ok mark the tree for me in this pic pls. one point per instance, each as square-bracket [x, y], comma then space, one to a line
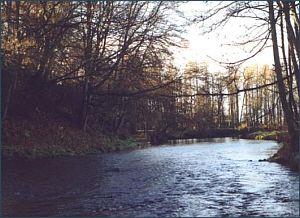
[108, 54]
[278, 69]
[266, 15]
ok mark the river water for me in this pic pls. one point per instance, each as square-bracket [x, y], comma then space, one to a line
[210, 178]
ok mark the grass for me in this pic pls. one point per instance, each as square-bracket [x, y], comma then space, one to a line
[66, 148]
[264, 135]
[30, 140]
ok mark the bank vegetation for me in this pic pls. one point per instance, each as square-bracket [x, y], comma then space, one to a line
[85, 77]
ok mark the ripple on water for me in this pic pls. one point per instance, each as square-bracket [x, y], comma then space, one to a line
[203, 179]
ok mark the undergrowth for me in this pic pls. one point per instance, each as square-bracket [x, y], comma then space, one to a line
[50, 138]
[264, 135]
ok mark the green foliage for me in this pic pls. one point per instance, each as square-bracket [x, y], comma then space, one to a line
[264, 135]
[129, 143]
[26, 133]
[76, 144]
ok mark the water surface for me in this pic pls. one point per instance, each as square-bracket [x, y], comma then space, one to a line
[216, 177]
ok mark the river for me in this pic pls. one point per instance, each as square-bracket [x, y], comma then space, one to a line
[210, 178]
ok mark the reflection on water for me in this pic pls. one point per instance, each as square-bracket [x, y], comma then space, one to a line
[215, 177]
[194, 141]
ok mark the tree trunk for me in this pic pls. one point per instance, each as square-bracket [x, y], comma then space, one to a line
[84, 107]
[237, 110]
[290, 31]
[287, 112]
[87, 58]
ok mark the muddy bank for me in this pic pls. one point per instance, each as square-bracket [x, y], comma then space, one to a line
[288, 154]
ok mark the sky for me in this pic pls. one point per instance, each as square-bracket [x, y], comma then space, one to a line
[201, 47]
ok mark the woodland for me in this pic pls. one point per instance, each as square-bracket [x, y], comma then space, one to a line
[80, 77]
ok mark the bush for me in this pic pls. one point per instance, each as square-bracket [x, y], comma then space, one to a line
[264, 135]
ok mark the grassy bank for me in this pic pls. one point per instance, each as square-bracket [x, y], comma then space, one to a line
[192, 133]
[38, 127]
[86, 144]
[266, 135]
[42, 135]
[47, 138]
[246, 133]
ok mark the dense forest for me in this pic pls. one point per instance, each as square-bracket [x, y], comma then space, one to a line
[107, 68]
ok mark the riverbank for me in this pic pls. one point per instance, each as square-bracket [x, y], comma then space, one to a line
[244, 133]
[275, 135]
[286, 155]
[44, 137]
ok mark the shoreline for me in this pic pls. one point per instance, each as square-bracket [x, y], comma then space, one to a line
[283, 156]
